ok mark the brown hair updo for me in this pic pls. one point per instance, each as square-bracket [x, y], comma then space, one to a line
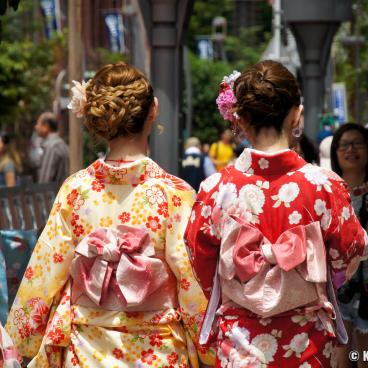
[265, 94]
[119, 97]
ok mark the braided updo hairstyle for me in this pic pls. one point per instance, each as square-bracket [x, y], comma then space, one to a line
[265, 94]
[119, 98]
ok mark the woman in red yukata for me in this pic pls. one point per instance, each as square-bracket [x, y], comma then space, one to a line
[272, 237]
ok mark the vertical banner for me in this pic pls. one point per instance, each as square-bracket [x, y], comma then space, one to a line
[205, 47]
[49, 11]
[115, 28]
[339, 104]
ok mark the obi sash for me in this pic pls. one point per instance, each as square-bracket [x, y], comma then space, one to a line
[269, 278]
[9, 357]
[119, 270]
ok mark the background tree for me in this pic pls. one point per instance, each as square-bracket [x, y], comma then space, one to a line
[344, 59]
[243, 48]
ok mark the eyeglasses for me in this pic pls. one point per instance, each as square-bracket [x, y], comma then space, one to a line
[344, 146]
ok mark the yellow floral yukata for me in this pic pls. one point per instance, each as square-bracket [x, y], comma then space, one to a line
[58, 324]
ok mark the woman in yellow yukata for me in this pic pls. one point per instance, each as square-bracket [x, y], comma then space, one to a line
[109, 283]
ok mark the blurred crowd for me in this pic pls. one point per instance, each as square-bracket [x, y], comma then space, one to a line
[47, 155]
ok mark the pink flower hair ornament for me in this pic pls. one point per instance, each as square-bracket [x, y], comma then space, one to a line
[79, 98]
[226, 98]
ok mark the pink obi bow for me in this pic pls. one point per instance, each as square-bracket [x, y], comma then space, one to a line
[268, 278]
[9, 356]
[115, 270]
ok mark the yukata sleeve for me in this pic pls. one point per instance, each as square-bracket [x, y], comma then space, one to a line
[202, 236]
[346, 238]
[192, 301]
[44, 278]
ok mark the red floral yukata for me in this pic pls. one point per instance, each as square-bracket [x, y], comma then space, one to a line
[263, 197]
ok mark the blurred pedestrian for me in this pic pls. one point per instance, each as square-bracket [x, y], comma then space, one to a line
[55, 156]
[306, 149]
[349, 159]
[10, 162]
[265, 234]
[325, 152]
[222, 152]
[109, 283]
[196, 166]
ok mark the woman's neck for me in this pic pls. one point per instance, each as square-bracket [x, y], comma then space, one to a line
[128, 149]
[354, 178]
[269, 140]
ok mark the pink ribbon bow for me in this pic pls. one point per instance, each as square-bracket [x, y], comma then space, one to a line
[270, 278]
[296, 245]
[115, 269]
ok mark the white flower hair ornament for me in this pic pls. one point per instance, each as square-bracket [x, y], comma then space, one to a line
[79, 98]
[226, 98]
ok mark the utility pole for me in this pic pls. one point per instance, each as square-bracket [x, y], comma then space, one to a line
[75, 72]
[277, 28]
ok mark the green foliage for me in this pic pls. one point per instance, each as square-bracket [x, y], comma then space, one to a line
[344, 57]
[202, 16]
[27, 70]
[106, 56]
[206, 77]
[246, 48]
[25, 78]
[242, 50]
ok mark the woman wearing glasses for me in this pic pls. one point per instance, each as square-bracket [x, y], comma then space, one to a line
[349, 159]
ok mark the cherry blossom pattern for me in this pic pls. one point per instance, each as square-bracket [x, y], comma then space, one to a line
[156, 339]
[267, 344]
[287, 194]
[321, 210]
[263, 163]
[148, 356]
[251, 196]
[98, 185]
[206, 211]
[77, 199]
[153, 223]
[329, 353]
[317, 177]
[176, 201]
[208, 184]
[227, 195]
[163, 209]
[118, 353]
[305, 365]
[303, 319]
[155, 195]
[298, 344]
[124, 217]
[172, 359]
[192, 216]
[345, 214]
[294, 218]
[244, 162]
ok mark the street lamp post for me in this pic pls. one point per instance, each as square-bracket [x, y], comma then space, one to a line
[314, 24]
[166, 22]
[75, 72]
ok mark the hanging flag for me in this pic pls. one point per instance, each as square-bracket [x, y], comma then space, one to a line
[115, 28]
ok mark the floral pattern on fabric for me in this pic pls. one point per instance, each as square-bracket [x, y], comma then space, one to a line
[46, 325]
[274, 192]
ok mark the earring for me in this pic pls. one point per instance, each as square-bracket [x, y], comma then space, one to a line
[297, 132]
[160, 128]
[235, 129]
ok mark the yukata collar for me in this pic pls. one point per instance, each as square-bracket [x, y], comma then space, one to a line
[252, 161]
[130, 173]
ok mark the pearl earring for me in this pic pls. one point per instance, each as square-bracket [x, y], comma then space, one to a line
[297, 132]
